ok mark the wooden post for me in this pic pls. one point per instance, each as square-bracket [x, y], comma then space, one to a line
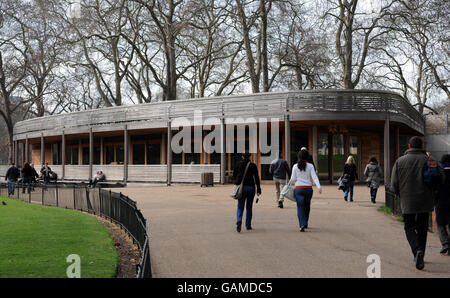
[80, 152]
[91, 152]
[125, 154]
[16, 152]
[63, 154]
[169, 153]
[387, 167]
[287, 140]
[314, 147]
[163, 149]
[360, 146]
[222, 151]
[330, 158]
[397, 142]
[27, 150]
[101, 151]
[42, 149]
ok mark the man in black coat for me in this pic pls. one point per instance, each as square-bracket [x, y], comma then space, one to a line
[415, 196]
[11, 176]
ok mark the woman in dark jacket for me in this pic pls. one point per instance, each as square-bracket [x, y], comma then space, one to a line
[373, 173]
[248, 192]
[27, 176]
[443, 207]
[350, 170]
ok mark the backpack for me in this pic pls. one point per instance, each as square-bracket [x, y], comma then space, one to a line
[431, 173]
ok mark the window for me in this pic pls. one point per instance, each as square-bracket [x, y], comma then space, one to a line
[192, 158]
[322, 145]
[55, 154]
[119, 154]
[110, 157]
[74, 156]
[338, 154]
[153, 154]
[353, 148]
[96, 155]
[85, 155]
[139, 154]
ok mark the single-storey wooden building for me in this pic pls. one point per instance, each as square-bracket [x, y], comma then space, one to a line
[132, 143]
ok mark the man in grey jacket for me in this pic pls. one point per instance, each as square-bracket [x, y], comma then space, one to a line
[281, 173]
[415, 197]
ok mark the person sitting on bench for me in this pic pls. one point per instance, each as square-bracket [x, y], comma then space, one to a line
[100, 177]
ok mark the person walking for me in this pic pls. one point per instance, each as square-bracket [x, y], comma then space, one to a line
[46, 172]
[33, 176]
[351, 171]
[27, 176]
[310, 158]
[12, 174]
[248, 192]
[415, 196]
[373, 173]
[443, 207]
[280, 171]
[302, 173]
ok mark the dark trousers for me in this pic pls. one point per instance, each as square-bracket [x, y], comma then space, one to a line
[416, 229]
[444, 234]
[248, 194]
[373, 193]
[303, 197]
[26, 181]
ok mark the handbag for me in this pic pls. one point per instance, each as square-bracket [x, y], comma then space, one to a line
[288, 193]
[236, 193]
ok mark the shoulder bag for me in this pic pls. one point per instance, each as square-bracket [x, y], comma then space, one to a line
[236, 193]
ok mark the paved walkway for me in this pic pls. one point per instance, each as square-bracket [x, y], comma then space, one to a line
[192, 234]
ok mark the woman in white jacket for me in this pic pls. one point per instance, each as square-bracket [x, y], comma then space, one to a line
[302, 172]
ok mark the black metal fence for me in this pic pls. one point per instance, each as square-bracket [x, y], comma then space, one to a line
[392, 202]
[114, 206]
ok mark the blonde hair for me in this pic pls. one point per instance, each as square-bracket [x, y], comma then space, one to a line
[350, 160]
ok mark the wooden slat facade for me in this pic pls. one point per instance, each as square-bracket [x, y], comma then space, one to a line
[305, 105]
[313, 111]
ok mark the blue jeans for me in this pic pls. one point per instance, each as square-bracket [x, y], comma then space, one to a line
[349, 187]
[11, 186]
[373, 193]
[248, 194]
[303, 197]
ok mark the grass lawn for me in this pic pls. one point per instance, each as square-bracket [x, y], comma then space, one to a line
[36, 240]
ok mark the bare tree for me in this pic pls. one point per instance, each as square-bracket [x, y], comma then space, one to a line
[356, 31]
[411, 59]
[97, 44]
[13, 65]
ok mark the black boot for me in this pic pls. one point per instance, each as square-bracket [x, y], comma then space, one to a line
[238, 226]
[419, 260]
[280, 205]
